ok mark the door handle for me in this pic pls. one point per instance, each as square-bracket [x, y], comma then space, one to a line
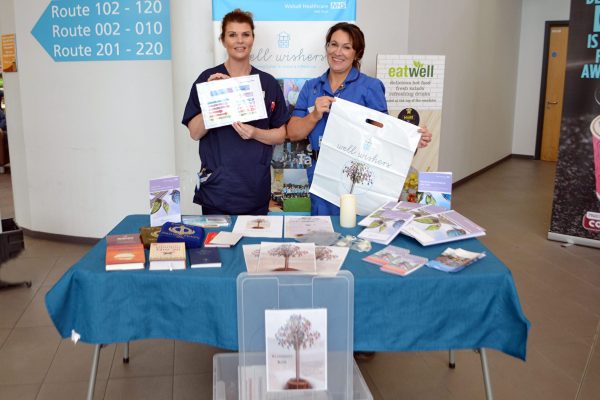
[552, 102]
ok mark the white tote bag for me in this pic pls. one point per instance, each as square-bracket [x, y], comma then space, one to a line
[363, 152]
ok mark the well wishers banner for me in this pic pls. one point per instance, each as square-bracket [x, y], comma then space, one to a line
[414, 88]
[290, 45]
[576, 206]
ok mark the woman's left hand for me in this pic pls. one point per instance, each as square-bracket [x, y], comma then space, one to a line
[244, 130]
[426, 137]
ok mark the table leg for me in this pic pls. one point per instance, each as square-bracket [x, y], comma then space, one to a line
[126, 354]
[92, 384]
[451, 360]
[486, 375]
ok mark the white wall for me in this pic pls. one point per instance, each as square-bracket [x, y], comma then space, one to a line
[480, 41]
[535, 14]
[88, 137]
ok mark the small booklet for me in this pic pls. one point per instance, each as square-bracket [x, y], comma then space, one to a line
[404, 265]
[226, 239]
[386, 255]
[267, 226]
[191, 235]
[208, 240]
[442, 227]
[435, 188]
[205, 257]
[298, 226]
[384, 228]
[149, 235]
[164, 200]
[167, 256]
[207, 221]
[454, 260]
[124, 252]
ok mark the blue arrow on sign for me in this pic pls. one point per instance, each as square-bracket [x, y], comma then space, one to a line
[92, 30]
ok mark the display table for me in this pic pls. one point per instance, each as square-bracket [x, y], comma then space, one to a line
[428, 310]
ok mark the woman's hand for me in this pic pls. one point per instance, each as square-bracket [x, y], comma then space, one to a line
[244, 130]
[322, 105]
[426, 137]
[218, 76]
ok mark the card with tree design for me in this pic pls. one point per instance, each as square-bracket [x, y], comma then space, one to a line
[269, 226]
[287, 257]
[296, 347]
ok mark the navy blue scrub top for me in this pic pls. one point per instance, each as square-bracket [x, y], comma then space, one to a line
[240, 176]
[357, 88]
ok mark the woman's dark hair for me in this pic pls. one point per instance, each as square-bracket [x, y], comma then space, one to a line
[238, 16]
[356, 35]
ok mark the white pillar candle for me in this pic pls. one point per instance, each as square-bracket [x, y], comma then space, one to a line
[348, 211]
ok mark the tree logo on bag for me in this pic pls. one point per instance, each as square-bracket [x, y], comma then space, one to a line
[358, 174]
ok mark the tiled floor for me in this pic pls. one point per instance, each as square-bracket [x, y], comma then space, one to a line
[559, 289]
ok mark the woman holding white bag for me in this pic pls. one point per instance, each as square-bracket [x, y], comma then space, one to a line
[345, 46]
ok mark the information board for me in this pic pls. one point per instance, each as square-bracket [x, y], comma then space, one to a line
[92, 30]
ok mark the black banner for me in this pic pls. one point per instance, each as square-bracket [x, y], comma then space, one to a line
[576, 207]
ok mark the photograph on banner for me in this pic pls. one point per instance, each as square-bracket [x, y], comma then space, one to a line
[225, 101]
[576, 205]
[414, 88]
[363, 152]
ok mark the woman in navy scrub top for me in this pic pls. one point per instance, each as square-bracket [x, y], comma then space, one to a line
[235, 160]
[345, 45]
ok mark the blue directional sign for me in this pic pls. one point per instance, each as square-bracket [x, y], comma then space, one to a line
[99, 30]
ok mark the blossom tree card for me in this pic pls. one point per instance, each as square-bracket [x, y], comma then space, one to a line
[268, 226]
[296, 346]
[287, 257]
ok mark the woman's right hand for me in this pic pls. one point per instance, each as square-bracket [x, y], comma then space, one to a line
[218, 76]
[322, 105]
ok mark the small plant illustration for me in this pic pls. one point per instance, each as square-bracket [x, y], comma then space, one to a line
[358, 173]
[417, 64]
[257, 223]
[297, 334]
[157, 202]
[287, 251]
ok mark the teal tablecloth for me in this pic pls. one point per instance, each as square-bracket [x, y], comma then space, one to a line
[428, 310]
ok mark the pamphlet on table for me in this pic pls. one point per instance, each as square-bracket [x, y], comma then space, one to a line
[225, 101]
[454, 260]
[396, 260]
[267, 226]
[164, 200]
[251, 255]
[297, 226]
[435, 188]
[296, 349]
[207, 221]
[330, 259]
[386, 227]
[447, 226]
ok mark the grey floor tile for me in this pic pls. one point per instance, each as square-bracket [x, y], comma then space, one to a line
[146, 358]
[193, 387]
[27, 355]
[13, 303]
[149, 388]
[194, 358]
[34, 269]
[590, 380]
[73, 362]
[70, 390]
[3, 335]
[36, 314]
[19, 392]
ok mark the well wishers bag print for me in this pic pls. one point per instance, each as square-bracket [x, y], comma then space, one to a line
[363, 152]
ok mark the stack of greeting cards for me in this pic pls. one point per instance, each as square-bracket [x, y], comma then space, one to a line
[454, 260]
[396, 260]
